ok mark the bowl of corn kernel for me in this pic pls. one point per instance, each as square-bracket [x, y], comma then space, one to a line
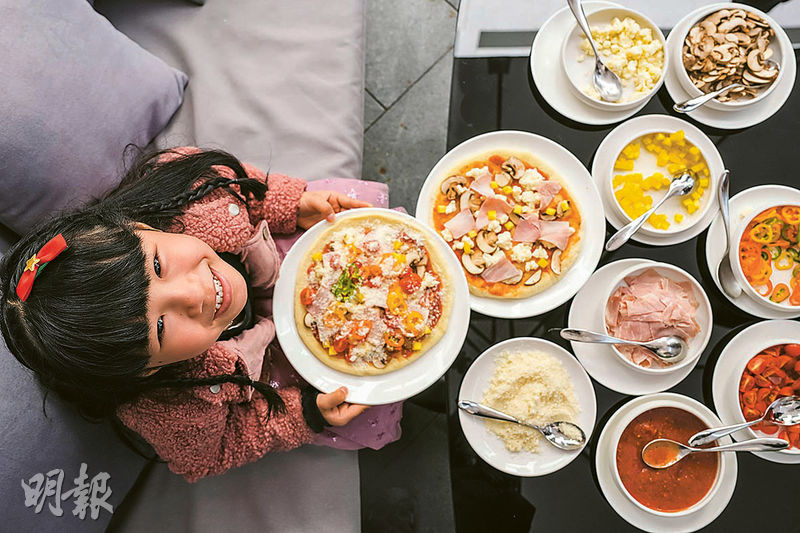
[641, 174]
[630, 44]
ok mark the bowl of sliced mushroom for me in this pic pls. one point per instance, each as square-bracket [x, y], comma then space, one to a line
[737, 44]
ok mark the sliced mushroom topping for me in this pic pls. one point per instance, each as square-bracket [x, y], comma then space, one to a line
[486, 241]
[534, 278]
[502, 179]
[449, 186]
[514, 218]
[475, 202]
[555, 262]
[513, 280]
[472, 268]
[466, 196]
[478, 259]
[513, 167]
[377, 363]
[308, 320]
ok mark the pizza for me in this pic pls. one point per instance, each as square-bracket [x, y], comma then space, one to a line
[511, 222]
[372, 294]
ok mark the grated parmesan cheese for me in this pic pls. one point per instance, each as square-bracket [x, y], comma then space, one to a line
[535, 388]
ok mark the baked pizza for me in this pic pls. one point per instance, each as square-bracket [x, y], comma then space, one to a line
[511, 222]
[372, 294]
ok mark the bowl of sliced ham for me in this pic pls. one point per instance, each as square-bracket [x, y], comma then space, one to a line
[653, 300]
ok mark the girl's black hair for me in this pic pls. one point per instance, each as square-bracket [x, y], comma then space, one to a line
[83, 329]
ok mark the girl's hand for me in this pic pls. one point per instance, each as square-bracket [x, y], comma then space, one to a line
[335, 410]
[318, 205]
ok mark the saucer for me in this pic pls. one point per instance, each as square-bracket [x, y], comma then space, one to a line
[745, 345]
[599, 360]
[550, 78]
[624, 507]
[740, 206]
[735, 119]
[623, 134]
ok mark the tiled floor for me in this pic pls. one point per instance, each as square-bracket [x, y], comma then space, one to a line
[406, 486]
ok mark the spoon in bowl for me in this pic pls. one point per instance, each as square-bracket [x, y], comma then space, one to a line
[663, 453]
[783, 412]
[724, 270]
[669, 349]
[694, 103]
[606, 82]
[680, 186]
[564, 435]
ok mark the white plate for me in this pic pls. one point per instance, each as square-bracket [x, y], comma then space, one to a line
[587, 312]
[743, 347]
[739, 118]
[604, 464]
[613, 144]
[551, 80]
[747, 202]
[369, 390]
[580, 186]
[491, 447]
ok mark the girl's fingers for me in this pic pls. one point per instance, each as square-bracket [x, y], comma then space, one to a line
[332, 399]
[342, 201]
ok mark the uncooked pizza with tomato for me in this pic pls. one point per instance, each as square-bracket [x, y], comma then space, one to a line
[372, 294]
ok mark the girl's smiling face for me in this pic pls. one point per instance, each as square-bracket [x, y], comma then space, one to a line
[194, 295]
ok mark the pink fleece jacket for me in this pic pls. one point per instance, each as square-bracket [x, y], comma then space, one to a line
[207, 430]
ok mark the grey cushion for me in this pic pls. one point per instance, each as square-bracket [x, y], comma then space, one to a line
[75, 93]
[33, 444]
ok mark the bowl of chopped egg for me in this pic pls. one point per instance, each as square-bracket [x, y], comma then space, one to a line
[643, 169]
[736, 44]
[630, 44]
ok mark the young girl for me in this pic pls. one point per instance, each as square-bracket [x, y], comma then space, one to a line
[153, 306]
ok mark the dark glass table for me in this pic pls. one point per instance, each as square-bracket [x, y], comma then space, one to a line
[498, 93]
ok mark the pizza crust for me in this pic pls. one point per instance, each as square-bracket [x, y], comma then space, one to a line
[361, 368]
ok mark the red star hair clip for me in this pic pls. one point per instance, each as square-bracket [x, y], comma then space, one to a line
[37, 262]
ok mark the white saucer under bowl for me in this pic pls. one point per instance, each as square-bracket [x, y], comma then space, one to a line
[738, 118]
[587, 311]
[551, 80]
[623, 134]
[384, 388]
[582, 189]
[744, 346]
[489, 446]
[741, 206]
[604, 463]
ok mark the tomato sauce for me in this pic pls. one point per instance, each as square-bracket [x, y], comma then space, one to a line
[494, 164]
[675, 488]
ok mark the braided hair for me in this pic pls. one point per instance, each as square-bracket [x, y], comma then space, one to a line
[83, 329]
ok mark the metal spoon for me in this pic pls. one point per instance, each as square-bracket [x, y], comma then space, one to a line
[669, 349]
[694, 103]
[556, 432]
[663, 453]
[724, 270]
[604, 79]
[783, 412]
[680, 186]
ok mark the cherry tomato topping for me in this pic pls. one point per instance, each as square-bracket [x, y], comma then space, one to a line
[769, 429]
[750, 414]
[410, 282]
[749, 398]
[762, 381]
[341, 344]
[394, 339]
[762, 394]
[756, 364]
[307, 296]
[746, 383]
[792, 350]
[786, 391]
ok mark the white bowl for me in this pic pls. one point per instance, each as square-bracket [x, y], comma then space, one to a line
[733, 390]
[779, 276]
[673, 205]
[781, 55]
[579, 73]
[703, 317]
[667, 400]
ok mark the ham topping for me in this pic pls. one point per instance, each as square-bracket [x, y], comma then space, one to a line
[527, 230]
[501, 270]
[555, 232]
[548, 190]
[651, 306]
[482, 185]
[492, 203]
[461, 224]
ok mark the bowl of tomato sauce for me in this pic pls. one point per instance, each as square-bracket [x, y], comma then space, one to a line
[680, 489]
[766, 258]
[772, 373]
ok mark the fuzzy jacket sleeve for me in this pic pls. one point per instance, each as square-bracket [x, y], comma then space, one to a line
[198, 438]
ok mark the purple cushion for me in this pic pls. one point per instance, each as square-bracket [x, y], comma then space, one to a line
[75, 93]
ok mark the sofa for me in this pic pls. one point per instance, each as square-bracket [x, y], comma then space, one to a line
[279, 84]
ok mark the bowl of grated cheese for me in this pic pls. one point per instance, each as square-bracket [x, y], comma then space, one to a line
[630, 44]
[537, 382]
